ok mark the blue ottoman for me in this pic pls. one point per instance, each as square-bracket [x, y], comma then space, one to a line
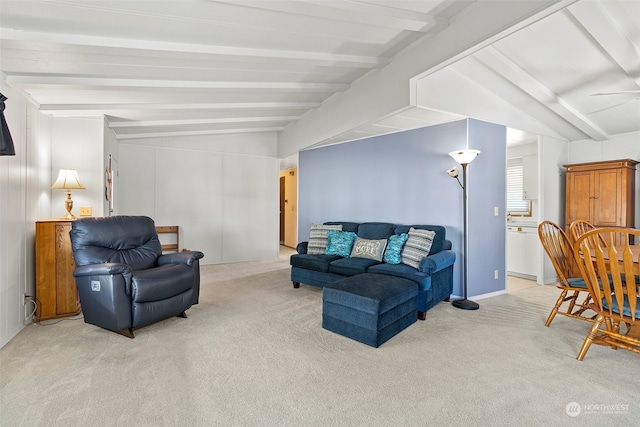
[370, 308]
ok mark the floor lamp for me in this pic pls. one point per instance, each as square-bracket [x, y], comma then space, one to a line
[464, 157]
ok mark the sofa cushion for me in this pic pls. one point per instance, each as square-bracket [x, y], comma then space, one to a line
[351, 266]
[417, 246]
[399, 270]
[318, 239]
[313, 262]
[161, 283]
[366, 248]
[439, 240]
[340, 242]
[394, 248]
[346, 226]
[376, 230]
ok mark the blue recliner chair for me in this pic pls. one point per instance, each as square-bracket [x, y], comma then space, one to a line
[124, 281]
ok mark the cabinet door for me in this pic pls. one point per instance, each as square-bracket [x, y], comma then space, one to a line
[607, 198]
[45, 270]
[579, 202]
[66, 291]
[522, 253]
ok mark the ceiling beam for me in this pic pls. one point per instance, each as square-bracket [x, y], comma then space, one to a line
[515, 74]
[329, 59]
[353, 12]
[188, 122]
[70, 108]
[198, 132]
[27, 80]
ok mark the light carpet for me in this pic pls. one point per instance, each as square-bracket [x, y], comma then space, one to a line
[253, 353]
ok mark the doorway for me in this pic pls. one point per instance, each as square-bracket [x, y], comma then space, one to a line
[289, 207]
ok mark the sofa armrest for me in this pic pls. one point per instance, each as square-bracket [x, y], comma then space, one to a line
[186, 257]
[106, 269]
[437, 262]
[302, 247]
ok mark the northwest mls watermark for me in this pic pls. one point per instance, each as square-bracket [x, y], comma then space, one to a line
[574, 409]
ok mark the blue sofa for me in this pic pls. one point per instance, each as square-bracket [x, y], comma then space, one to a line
[434, 275]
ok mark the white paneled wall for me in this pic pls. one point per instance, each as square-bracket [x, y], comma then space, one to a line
[78, 144]
[222, 191]
[24, 197]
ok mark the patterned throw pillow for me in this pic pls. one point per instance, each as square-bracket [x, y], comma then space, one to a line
[394, 248]
[370, 249]
[318, 240]
[340, 242]
[417, 246]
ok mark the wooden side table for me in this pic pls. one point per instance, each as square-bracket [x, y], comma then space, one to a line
[56, 291]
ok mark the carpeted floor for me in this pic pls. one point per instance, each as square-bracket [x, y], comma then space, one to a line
[253, 353]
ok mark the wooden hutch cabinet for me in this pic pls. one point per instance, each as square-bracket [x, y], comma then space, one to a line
[56, 291]
[602, 193]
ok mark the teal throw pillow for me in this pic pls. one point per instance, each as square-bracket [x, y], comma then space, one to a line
[394, 248]
[340, 242]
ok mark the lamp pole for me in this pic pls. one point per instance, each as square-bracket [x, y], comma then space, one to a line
[464, 157]
[465, 303]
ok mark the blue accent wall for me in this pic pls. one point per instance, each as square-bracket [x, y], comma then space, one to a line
[401, 178]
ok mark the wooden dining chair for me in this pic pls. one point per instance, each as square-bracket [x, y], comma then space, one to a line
[612, 275]
[558, 247]
[578, 227]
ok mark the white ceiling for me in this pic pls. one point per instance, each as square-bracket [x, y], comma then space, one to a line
[202, 67]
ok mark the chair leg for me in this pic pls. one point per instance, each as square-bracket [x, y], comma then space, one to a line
[590, 337]
[422, 315]
[554, 311]
[615, 328]
[183, 315]
[572, 302]
[296, 285]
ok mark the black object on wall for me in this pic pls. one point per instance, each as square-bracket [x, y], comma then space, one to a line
[6, 142]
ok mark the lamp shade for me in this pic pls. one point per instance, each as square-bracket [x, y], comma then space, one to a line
[68, 180]
[464, 157]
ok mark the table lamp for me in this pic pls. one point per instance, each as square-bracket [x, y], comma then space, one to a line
[68, 180]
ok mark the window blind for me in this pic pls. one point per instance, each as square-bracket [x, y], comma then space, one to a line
[515, 203]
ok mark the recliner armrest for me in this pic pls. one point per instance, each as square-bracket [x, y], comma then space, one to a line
[437, 262]
[187, 257]
[105, 269]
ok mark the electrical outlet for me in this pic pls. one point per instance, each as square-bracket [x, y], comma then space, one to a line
[24, 299]
[85, 211]
[495, 274]
[496, 211]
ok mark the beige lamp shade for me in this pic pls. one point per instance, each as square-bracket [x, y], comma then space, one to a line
[464, 157]
[68, 180]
